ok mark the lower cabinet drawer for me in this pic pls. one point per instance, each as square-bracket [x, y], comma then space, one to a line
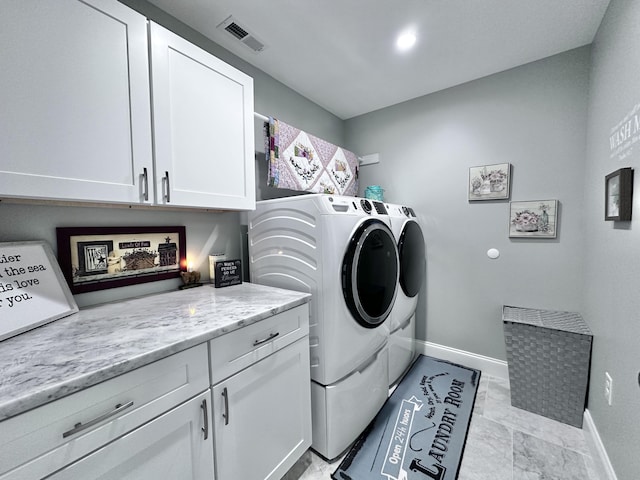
[177, 445]
[49, 437]
[237, 350]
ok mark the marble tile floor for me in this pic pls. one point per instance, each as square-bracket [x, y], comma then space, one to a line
[507, 443]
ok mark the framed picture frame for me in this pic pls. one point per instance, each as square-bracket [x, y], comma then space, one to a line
[489, 182]
[618, 195]
[33, 290]
[96, 258]
[533, 219]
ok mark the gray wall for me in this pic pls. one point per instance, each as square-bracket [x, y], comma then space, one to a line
[533, 117]
[206, 232]
[612, 250]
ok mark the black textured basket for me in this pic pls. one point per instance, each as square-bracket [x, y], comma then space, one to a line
[549, 354]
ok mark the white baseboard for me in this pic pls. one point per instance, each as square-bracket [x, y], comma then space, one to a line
[598, 452]
[490, 366]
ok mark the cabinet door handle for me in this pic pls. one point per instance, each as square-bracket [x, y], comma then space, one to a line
[165, 181]
[264, 340]
[225, 415]
[78, 427]
[205, 429]
[145, 182]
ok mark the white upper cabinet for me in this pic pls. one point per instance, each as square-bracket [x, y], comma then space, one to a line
[74, 90]
[77, 121]
[203, 126]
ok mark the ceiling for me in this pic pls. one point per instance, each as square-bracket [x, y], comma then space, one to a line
[341, 54]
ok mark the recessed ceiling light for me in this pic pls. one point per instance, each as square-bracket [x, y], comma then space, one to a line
[406, 40]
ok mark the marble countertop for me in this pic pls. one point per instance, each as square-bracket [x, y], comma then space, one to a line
[102, 342]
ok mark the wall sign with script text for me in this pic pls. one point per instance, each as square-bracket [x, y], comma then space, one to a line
[33, 290]
[625, 134]
[228, 272]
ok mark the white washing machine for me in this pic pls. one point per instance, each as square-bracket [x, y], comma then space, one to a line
[342, 251]
[411, 252]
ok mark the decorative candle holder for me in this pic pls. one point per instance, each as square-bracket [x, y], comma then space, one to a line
[190, 280]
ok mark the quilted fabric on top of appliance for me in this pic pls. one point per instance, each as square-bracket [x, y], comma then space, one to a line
[300, 161]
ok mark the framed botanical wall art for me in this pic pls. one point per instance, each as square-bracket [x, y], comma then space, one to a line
[533, 219]
[95, 258]
[489, 182]
[618, 195]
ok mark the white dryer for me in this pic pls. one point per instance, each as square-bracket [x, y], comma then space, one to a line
[411, 252]
[342, 251]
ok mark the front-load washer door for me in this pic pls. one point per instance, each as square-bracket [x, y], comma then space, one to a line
[370, 272]
[412, 258]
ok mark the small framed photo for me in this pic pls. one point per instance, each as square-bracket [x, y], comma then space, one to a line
[618, 188]
[533, 219]
[489, 182]
[93, 257]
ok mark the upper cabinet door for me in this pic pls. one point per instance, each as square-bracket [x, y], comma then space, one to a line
[203, 126]
[74, 90]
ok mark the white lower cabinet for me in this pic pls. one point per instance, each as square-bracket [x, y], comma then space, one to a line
[176, 445]
[43, 440]
[165, 420]
[262, 422]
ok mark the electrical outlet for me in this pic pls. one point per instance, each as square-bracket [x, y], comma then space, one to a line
[608, 387]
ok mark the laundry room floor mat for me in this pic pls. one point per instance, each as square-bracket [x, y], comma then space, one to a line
[420, 432]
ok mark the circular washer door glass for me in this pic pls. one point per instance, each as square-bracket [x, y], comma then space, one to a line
[370, 272]
[412, 258]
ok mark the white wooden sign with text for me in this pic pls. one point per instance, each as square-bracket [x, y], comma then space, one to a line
[33, 290]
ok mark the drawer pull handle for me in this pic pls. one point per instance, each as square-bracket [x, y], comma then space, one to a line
[78, 427]
[145, 179]
[225, 415]
[264, 340]
[205, 429]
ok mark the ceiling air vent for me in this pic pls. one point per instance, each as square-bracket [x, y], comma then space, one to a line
[231, 26]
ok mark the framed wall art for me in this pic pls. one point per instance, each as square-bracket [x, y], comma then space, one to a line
[618, 192]
[95, 258]
[489, 182]
[533, 219]
[32, 289]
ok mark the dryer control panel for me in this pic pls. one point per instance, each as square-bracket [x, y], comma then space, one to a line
[400, 211]
[354, 205]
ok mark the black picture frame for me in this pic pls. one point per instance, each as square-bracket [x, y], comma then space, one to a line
[618, 196]
[140, 255]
